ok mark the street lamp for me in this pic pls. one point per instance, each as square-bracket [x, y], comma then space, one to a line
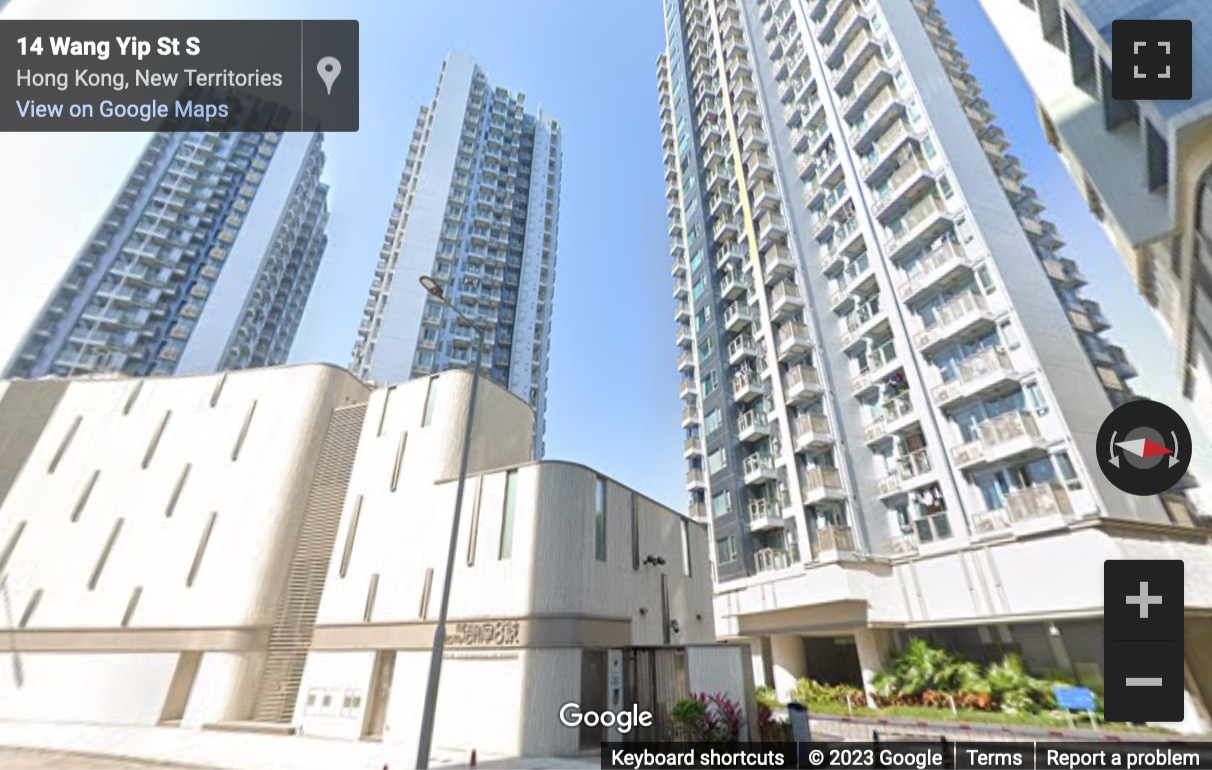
[430, 707]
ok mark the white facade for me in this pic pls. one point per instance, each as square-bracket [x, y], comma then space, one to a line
[267, 546]
[477, 209]
[204, 261]
[1141, 165]
[892, 380]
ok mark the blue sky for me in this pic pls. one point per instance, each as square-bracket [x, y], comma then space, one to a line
[613, 382]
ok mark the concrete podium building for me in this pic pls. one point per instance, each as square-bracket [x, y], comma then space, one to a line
[267, 546]
[892, 380]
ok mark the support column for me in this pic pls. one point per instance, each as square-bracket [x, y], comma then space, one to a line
[787, 657]
[872, 645]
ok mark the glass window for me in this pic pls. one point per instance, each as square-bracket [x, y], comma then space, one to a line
[1010, 336]
[713, 420]
[986, 280]
[696, 259]
[944, 185]
[1035, 398]
[717, 460]
[725, 549]
[710, 383]
[721, 503]
[685, 548]
[928, 148]
[431, 400]
[704, 348]
[507, 517]
[599, 519]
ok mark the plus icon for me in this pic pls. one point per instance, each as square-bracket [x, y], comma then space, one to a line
[1144, 600]
[1151, 59]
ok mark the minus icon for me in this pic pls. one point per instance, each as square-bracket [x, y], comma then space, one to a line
[1143, 681]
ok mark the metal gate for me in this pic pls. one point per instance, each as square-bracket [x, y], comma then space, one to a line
[655, 680]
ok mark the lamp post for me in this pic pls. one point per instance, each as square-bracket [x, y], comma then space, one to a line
[430, 707]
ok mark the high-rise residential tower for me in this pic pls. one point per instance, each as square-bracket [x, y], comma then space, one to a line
[1145, 167]
[477, 209]
[892, 382]
[204, 261]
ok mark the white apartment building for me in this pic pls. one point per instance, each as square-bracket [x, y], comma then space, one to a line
[478, 210]
[204, 261]
[892, 382]
[264, 549]
[1145, 167]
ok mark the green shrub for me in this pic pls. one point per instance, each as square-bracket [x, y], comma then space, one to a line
[810, 692]
[768, 697]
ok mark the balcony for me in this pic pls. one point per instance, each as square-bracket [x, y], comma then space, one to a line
[681, 310]
[785, 300]
[765, 196]
[1024, 505]
[684, 335]
[792, 339]
[764, 515]
[680, 289]
[729, 257]
[876, 69]
[853, 277]
[1002, 437]
[834, 539]
[690, 416]
[939, 267]
[821, 484]
[777, 264]
[772, 227]
[724, 229]
[692, 446]
[909, 472]
[897, 414]
[862, 321]
[912, 175]
[772, 559]
[733, 284]
[696, 479]
[687, 387]
[720, 204]
[737, 316]
[740, 348]
[1094, 312]
[954, 318]
[758, 468]
[746, 386]
[752, 139]
[811, 432]
[885, 147]
[752, 426]
[875, 118]
[801, 384]
[686, 362]
[696, 510]
[988, 370]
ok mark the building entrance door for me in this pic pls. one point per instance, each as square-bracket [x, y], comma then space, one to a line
[380, 695]
[655, 679]
[593, 695]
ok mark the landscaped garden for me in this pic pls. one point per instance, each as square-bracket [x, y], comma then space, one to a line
[927, 682]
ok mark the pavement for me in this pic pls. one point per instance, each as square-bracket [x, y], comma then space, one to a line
[38, 759]
[36, 745]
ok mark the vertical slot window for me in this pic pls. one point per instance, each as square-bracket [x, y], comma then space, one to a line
[248, 418]
[473, 536]
[372, 592]
[635, 532]
[599, 518]
[84, 495]
[383, 414]
[423, 612]
[431, 400]
[155, 440]
[508, 513]
[134, 396]
[64, 444]
[350, 534]
[131, 605]
[201, 551]
[175, 497]
[214, 395]
[105, 552]
[686, 572]
[399, 464]
[32, 606]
